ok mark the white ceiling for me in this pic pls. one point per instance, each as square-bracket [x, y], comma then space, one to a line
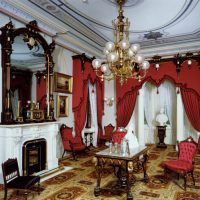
[161, 26]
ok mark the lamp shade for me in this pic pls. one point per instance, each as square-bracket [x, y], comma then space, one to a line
[110, 46]
[124, 44]
[96, 63]
[139, 58]
[112, 57]
[145, 65]
[135, 47]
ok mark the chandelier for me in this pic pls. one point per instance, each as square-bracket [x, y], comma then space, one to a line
[122, 59]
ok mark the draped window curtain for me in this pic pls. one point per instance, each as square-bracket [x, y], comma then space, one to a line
[93, 106]
[156, 98]
[189, 129]
[148, 111]
[168, 94]
[81, 78]
[165, 96]
[190, 92]
[191, 103]
[100, 106]
[80, 112]
[125, 108]
[96, 109]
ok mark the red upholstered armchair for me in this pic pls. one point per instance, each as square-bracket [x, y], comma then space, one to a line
[108, 133]
[70, 143]
[185, 162]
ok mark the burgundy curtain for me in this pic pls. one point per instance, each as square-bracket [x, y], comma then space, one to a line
[81, 78]
[167, 70]
[100, 106]
[80, 113]
[125, 107]
[191, 103]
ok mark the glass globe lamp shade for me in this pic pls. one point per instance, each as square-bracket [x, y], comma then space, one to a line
[135, 48]
[189, 62]
[104, 68]
[139, 58]
[105, 51]
[96, 63]
[157, 66]
[110, 46]
[108, 71]
[130, 53]
[145, 65]
[112, 57]
[124, 44]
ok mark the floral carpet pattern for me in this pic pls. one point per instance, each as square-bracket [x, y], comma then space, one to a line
[79, 183]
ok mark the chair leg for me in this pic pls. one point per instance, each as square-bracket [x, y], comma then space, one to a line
[165, 173]
[193, 177]
[38, 187]
[5, 193]
[74, 155]
[63, 153]
[185, 181]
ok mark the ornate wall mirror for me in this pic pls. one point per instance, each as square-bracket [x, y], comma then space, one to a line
[26, 64]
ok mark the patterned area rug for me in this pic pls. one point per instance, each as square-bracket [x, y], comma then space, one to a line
[79, 183]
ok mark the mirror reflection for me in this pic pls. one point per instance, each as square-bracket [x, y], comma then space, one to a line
[27, 75]
[27, 61]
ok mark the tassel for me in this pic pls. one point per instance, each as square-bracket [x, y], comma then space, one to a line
[157, 91]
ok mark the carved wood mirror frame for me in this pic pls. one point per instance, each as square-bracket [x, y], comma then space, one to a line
[8, 34]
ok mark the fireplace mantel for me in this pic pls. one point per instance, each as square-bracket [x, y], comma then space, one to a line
[12, 138]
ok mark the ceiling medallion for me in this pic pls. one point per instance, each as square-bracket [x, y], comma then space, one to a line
[153, 35]
[128, 3]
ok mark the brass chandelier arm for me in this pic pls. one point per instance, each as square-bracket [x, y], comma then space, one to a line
[107, 77]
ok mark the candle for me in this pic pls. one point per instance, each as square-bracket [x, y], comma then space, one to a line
[18, 108]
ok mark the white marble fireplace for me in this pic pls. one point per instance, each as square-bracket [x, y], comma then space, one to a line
[12, 138]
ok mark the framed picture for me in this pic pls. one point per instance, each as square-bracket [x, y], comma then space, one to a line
[62, 106]
[62, 83]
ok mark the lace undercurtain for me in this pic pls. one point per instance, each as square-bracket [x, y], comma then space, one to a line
[188, 128]
[164, 97]
[148, 111]
[131, 129]
[169, 94]
[156, 98]
[93, 106]
[14, 102]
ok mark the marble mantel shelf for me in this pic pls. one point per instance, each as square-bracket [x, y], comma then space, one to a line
[12, 138]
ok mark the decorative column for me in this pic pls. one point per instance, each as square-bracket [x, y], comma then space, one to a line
[141, 136]
[179, 118]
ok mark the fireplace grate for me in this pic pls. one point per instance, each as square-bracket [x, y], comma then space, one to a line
[34, 156]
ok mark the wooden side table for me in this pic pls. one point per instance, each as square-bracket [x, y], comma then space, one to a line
[125, 164]
[161, 136]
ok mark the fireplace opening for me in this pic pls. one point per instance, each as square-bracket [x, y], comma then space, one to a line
[34, 156]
